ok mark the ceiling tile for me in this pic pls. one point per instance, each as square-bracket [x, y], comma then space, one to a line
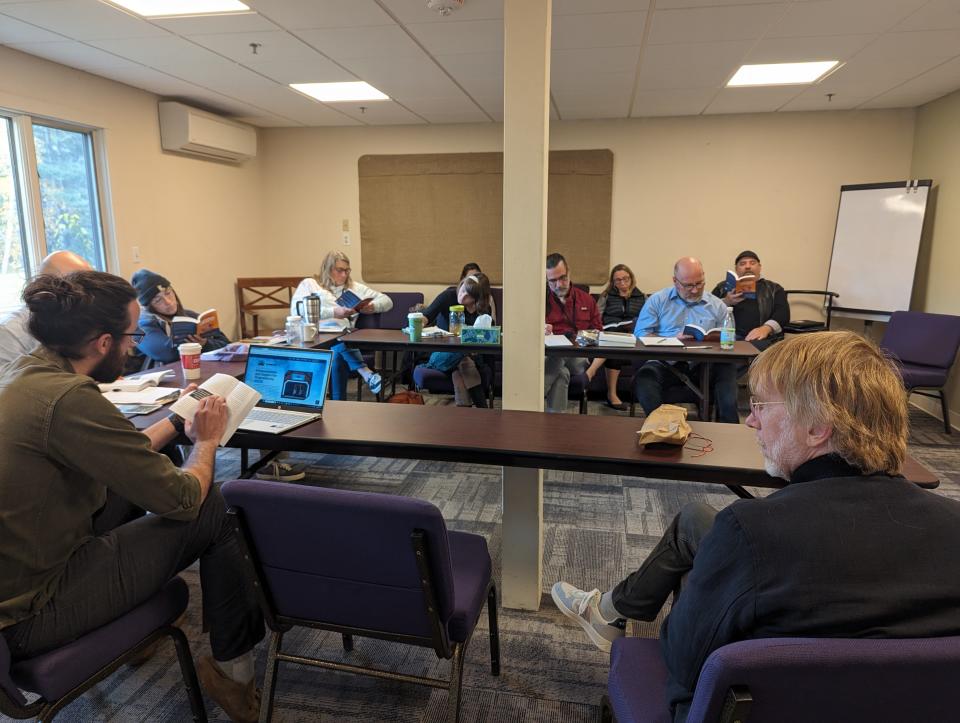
[280, 56]
[712, 24]
[585, 61]
[416, 11]
[699, 65]
[210, 24]
[591, 86]
[842, 17]
[16, 31]
[376, 41]
[302, 14]
[792, 50]
[448, 38]
[402, 76]
[614, 108]
[928, 86]
[476, 116]
[752, 100]
[597, 30]
[579, 7]
[381, 112]
[83, 19]
[689, 101]
[935, 15]
[815, 98]
[480, 74]
[447, 104]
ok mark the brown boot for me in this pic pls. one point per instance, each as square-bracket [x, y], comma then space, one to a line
[240, 701]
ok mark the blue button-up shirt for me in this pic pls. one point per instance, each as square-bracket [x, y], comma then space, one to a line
[666, 313]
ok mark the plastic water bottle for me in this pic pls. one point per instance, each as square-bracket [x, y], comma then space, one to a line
[294, 330]
[728, 333]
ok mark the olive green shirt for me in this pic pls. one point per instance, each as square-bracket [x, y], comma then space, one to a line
[62, 445]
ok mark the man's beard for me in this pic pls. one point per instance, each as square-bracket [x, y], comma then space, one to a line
[111, 366]
[773, 468]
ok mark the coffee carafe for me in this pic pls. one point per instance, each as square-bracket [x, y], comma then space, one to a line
[309, 308]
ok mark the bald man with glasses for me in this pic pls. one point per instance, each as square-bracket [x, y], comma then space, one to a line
[666, 313]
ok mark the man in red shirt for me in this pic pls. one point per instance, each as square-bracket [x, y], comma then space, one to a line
[568, 311]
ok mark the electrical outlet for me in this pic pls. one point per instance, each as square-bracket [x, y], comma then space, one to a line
[135, 252]
[346, 238]
[345, 224]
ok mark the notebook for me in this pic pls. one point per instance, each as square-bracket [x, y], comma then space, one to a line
[292, 384]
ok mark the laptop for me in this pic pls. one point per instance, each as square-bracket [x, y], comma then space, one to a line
[292, 384]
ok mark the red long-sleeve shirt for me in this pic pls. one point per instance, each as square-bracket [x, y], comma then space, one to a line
[578, 312]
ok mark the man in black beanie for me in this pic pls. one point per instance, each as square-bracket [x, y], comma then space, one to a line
[759, 317]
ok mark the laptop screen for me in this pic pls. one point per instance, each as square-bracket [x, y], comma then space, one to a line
[289, 378]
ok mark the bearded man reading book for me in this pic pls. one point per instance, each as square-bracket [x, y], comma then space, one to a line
[759, 315]
[76, 551]
[666, 313]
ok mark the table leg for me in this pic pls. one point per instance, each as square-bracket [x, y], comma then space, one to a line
[705, 391]
[522, 550]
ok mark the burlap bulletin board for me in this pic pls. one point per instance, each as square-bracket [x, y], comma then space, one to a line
[423, 216]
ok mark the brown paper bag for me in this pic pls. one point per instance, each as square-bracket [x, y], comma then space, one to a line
[665, 424]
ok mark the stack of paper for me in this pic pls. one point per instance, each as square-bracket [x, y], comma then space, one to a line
[617, 338]
[556, 340]
[150, 395]
[660, 341]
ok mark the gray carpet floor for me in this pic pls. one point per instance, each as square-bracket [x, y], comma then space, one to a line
[597, 528]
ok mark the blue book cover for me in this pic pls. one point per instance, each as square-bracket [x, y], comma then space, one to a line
[746, 285]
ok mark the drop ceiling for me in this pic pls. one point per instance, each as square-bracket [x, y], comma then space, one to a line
[610, 58]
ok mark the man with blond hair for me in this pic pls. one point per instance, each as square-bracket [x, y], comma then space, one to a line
[848, 549]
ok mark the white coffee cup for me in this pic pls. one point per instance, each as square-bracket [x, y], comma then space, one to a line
[190, 359]
[309, 332]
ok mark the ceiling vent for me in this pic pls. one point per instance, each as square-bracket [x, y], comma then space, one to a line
[189, 130]
[444, 7]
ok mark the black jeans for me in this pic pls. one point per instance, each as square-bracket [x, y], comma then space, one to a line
[643, 593]
[126, 564]
[654, 378]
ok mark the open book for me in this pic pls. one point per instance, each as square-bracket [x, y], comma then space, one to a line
[746, 285]
[616, 338]
[660, 341]
[183, 326]
[240, 400]
[701, 334]
[137, 383]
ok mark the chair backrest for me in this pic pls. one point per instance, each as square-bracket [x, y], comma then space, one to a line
[915, 337]
[345, 558]
[403, 301]
[497, 293]
[263, 293]
[828, 297]
[858, 681]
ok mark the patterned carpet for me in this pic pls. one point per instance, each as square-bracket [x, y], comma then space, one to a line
[597, 528]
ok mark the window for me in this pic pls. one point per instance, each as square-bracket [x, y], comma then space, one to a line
[49, 199]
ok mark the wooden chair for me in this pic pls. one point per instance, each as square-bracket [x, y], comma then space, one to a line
[264, 293]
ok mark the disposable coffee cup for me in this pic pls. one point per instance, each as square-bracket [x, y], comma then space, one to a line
[190, 359]
[415, 325]
[309, 332]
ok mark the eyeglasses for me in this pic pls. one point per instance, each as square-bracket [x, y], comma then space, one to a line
[341, 270]
[755, 405]
[621, 280]
[165, 291]
[690, 287]
[135, 336]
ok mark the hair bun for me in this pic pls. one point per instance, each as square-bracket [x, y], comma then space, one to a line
[49, 293]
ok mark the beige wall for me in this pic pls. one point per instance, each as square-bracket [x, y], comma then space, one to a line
[936, 155]
[195, 221]
[709, 186]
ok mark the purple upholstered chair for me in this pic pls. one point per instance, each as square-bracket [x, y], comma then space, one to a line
[65, 673]
[395, 318]
[925, 345]
[365, 564]
[794, 680]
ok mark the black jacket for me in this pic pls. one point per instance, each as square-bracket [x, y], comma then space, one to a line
[771, 303]
[615, 308]
[844, 557]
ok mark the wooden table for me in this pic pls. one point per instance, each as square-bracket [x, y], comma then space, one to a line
[742, 353]
[599, 444]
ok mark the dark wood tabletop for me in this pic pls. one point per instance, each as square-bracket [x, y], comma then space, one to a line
[397, 340]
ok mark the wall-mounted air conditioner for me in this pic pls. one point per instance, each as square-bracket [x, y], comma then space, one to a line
[190, 130]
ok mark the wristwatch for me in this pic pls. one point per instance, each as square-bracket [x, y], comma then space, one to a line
[177, 421]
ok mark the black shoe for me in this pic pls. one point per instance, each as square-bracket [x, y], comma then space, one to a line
[622, 407]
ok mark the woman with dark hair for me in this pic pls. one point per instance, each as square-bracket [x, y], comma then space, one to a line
[620, 304]
[473, 293]
[471, 267]
[159, 304]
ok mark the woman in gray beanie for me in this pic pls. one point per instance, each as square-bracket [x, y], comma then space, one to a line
[160, 304]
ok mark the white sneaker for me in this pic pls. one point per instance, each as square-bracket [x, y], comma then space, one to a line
[375, 383]
[282, 472]
[581, 606]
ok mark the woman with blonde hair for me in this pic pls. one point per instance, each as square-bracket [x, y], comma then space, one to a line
[334, 281]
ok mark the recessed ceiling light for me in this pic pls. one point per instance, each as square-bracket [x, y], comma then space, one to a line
[180, 8]
[340, 92]
[782, 73]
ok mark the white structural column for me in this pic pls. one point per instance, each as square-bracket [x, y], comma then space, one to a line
[526, 128]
